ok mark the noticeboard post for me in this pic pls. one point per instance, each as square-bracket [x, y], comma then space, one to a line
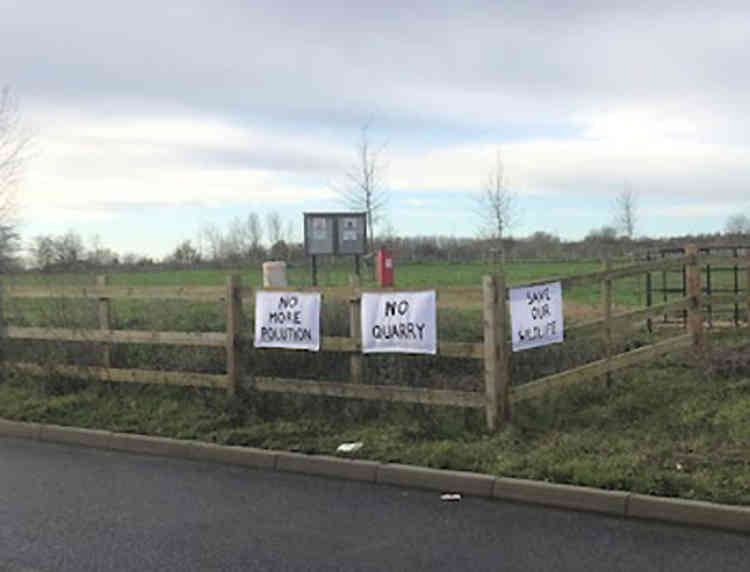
[333, 234]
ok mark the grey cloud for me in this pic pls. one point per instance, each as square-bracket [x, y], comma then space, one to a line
[343, 61]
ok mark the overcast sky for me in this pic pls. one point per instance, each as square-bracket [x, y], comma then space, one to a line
[153, 119]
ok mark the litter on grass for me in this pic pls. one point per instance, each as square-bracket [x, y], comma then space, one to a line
[450, 497]
[349, 447]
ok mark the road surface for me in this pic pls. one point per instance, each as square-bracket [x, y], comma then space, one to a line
[73, 509]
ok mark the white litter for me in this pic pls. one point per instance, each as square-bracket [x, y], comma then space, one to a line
[450, 497]
[349, 447]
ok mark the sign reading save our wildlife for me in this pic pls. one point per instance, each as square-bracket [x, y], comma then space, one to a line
[536, 315]
[287, 320]
[401, 322]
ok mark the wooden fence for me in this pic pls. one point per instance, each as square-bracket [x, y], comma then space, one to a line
[494, 351]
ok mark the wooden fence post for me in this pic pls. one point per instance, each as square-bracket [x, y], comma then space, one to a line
[606, 302]
[736, 269]
[3, 337]
[693, 286]
[104, 309]
[649, 295]
[665, 296]
[496, 355]
[234, 315]
[747, 289]
[709, 307]
[355, 332]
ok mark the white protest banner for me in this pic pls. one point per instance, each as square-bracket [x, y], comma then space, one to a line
[287, 320]
[401, 322]
[536, 316]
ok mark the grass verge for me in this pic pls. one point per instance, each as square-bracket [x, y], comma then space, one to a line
[666, 429]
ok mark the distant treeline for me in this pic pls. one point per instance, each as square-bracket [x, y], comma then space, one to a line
[68, 253]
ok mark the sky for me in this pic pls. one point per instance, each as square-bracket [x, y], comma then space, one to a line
[152, 120]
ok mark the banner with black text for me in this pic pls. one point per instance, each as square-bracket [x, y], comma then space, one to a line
[400, 322]
[287, 320]
[536, 315]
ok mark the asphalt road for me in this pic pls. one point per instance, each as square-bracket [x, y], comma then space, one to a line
[66, 508]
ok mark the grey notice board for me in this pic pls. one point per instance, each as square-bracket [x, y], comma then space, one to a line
[335, 233]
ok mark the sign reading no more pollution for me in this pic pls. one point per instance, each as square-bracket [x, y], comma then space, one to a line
[536, 316]
[400, 322]
[287, 320]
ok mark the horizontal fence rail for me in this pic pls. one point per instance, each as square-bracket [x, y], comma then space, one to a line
[208, 339]
[145, 376]
[375, 392]
[493, 351]
[598, 368]
[192, 293]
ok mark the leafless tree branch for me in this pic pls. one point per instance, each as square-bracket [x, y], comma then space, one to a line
[496, 205]
[363, 189]
[626, 210]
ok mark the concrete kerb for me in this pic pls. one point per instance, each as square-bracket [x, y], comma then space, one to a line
[445, 481]
[562, 496]
[694, 513]
[622, 504]
[244, 456]
[19, 429]
[350, 469]
[75, 436]
[147, 445]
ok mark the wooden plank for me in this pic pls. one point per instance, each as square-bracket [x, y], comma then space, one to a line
[496, 355]
[725, 299]
[606, 301]
[594, 326]
[372, 392]
[3, 329]
[234, 317]
[338, 344]
[649, 295]
[591, 370]
[198, 293]
[146, 376]
[491, 357]
[726, 262]
[355, 333]
[614, 274]
[695, 309]
[208, 339]
[104, 311]
[466, 350]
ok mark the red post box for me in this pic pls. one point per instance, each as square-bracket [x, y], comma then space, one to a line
[385, 267]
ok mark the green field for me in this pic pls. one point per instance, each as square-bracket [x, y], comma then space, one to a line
[407, 275]
[458, 287]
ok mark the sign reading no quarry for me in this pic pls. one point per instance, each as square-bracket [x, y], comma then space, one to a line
[400, 322]
[536, 316]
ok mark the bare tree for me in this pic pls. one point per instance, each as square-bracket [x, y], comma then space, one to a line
[274, 227]
[212, 236]
[737, 224]
[14, 143]
[184, 254]
[254, 231]
[626, 211]
[496, 206]
[70, 248]
[362, 189]
[43, 251]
